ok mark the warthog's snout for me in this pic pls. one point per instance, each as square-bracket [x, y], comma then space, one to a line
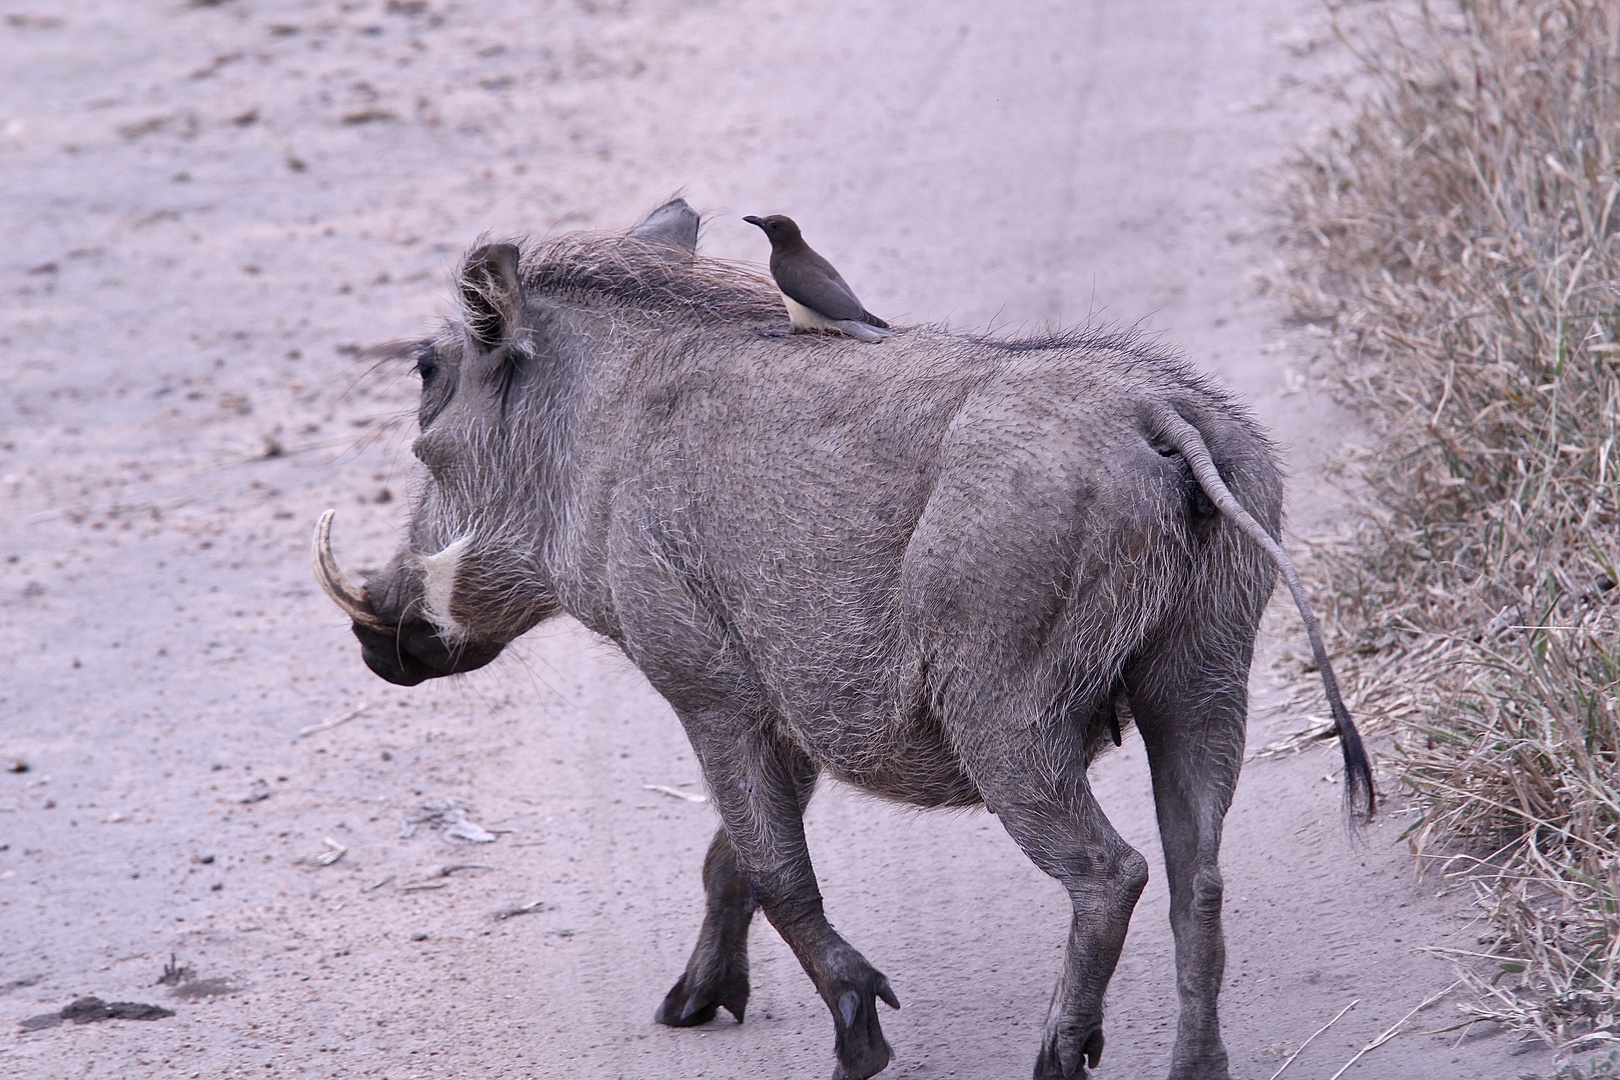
[403, 650]
[414, 652]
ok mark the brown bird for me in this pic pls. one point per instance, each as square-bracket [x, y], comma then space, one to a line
[816, 295]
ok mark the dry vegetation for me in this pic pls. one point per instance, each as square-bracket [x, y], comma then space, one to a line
[1458, 237]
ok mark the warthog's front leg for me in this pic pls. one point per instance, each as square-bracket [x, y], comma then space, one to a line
[761, 784]
[717, 973]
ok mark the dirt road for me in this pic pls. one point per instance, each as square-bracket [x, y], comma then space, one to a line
[213, 208]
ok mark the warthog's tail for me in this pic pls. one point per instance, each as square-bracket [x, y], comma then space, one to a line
[1360, 798]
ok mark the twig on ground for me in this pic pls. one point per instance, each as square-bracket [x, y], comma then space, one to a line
[1394, 1029]
[341, 718]
[435, 880]
[664, 789]
[1314, 1034]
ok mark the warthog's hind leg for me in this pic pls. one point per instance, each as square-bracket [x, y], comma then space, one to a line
[1104, 877]
[717, 973]
[1191, 718]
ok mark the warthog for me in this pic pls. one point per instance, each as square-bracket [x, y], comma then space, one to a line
[944, 570]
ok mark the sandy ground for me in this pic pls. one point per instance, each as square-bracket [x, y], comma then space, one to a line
[212, 209]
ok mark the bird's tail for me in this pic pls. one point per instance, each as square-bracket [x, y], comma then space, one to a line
[863, 331]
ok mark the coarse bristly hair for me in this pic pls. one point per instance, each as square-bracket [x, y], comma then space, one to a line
[649, 276]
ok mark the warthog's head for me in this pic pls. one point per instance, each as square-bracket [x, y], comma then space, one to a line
[468, 579]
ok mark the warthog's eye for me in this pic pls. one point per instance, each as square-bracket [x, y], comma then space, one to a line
[426, 368]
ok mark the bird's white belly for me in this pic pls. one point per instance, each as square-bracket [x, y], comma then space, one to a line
[802, 318]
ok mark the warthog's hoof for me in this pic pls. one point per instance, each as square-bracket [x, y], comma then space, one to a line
[1067, 1058]
[692, 1002]
[860, 1046]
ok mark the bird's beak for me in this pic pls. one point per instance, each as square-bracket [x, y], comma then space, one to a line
[752, 220]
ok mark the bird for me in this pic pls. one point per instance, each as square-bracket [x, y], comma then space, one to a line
[816, 295]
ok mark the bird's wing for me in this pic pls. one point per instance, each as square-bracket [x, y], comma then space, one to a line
[811, 280]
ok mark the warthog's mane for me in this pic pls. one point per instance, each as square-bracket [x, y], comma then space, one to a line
[648, 276]
[1086, 337]
[623, 270]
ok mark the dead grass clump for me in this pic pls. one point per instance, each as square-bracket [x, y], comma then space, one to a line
[1458, 237]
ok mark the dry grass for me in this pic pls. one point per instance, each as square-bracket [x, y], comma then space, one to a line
[1458, 238]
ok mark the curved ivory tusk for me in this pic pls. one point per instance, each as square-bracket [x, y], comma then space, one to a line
[344, 593]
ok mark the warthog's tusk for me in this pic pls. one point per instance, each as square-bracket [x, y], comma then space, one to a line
[344, 593]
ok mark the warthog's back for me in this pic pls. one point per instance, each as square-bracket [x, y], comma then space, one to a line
[852, 523]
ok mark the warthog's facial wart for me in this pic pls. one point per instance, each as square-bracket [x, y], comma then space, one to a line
[438, 589]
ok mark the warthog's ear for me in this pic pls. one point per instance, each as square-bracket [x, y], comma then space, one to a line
[673, 225]
[492, 295]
